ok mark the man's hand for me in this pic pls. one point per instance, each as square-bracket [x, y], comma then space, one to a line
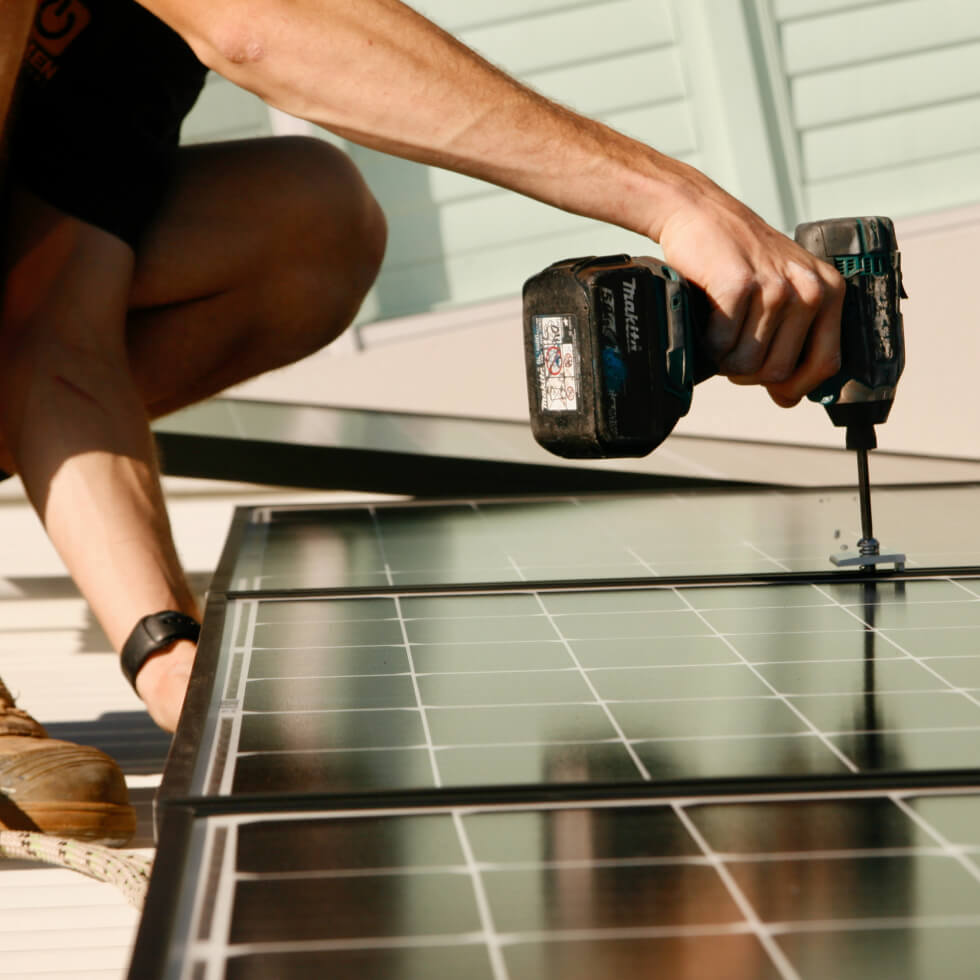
[776, 309]
[162, 683]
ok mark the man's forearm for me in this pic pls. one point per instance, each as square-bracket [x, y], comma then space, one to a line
[15, 25]
[73, 422]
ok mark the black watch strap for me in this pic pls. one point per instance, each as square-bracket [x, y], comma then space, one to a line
[153, 633]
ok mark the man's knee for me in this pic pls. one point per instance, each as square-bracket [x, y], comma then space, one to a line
[337, 239]
[340, 202]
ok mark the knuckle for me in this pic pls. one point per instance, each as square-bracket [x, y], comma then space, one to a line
[742, 362]
[721, 340]
[736, 283]
[776, 292]
[775, 374]
[811, 291]
[830, 364]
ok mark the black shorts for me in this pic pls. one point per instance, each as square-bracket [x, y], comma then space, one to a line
[104, 88]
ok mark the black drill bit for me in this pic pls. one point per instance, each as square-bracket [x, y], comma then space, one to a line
[864, 490]
[861, 438]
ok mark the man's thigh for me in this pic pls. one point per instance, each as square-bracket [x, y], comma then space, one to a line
[238, 211]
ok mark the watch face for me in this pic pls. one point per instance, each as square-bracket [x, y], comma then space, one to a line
[166, 625]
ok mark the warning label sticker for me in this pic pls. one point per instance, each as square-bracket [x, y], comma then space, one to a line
[556, 358]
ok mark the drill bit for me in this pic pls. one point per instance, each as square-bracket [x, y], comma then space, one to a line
[861, 438]
[868, 545]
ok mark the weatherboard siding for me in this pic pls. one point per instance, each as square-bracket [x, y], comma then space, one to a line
[803, 108]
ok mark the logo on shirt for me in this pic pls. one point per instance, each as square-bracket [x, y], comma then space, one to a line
[57, 24]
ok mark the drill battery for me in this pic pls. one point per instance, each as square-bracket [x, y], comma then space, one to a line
[611, 357]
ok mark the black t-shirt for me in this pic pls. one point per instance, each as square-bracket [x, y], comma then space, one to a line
[104, 88]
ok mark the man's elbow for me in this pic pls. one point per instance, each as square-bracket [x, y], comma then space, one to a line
[237, 47]
[224, 37]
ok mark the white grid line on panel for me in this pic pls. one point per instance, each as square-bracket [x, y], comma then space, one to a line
[785, 700]
[761, 931]
[433, 762]
[490, 934]
[958, 854]
[620, 734]
[887, 638]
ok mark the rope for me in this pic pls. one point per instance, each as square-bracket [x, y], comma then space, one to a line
[127, 870]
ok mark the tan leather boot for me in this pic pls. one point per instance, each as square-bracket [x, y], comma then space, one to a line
[58, 787]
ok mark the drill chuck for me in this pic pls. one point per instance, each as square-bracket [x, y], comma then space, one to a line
[865, 252]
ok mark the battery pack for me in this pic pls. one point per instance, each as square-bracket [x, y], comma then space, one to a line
[609, 355]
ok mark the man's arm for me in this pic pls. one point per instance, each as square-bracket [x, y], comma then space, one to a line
[70, 418]
[15, 24]
[379, 74]
[77, 432]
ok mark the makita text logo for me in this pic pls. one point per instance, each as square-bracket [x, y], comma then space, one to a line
[630, 317]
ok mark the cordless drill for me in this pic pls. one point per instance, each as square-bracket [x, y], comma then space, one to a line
[613, 348]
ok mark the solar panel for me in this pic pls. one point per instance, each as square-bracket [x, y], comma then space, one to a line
[761, 888]
[390, 452]
[417, 744]
[684, 534]
[405, 692]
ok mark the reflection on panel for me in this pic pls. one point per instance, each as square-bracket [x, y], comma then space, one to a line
[872, 886]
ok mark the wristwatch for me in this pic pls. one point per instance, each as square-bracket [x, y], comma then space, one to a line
[151, 634]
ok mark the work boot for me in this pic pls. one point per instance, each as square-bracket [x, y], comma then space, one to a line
[56, 787]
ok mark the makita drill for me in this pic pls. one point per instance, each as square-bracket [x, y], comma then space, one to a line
[613, 348]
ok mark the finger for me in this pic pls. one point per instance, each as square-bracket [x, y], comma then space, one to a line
[821, 356]
[763, 323]
[787, 322]
[730, 306]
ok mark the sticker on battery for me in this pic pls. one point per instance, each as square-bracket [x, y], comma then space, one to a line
[556, 362]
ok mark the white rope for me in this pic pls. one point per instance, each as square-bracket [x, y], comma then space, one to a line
[127, 870]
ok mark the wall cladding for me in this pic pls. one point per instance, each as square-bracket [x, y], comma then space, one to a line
[884, 102]
[803, 107]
